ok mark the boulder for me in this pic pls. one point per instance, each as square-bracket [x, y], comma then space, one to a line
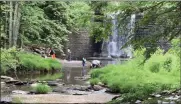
[97, 87]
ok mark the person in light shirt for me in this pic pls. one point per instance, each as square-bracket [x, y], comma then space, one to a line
[95, 64]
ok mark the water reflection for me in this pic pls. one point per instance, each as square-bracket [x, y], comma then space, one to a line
[70, 74]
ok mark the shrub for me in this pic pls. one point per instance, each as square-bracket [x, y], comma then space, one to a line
[42, 88]
[94, 81]
[8, 59]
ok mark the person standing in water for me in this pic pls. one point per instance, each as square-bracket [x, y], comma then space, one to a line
[83, 66]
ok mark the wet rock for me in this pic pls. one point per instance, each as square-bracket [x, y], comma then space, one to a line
[138, 102]
[19, 92]
[59, 89]
[21, 83]
[97, 87]
[52, 83]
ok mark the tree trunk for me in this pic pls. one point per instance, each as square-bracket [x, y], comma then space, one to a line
[15, 24]
[10, 23]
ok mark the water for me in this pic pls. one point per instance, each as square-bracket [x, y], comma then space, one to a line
[117, 41]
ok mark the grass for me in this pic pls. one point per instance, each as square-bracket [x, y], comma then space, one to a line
[14, 59]
[36, 62]
[42, 88]
[136, 81]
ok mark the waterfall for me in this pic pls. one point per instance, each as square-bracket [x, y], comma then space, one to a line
[117, 40]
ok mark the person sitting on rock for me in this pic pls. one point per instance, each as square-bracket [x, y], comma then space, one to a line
[96, 64]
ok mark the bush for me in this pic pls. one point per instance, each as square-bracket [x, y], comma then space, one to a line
[136, 81]
[42, 88]
[8, 59]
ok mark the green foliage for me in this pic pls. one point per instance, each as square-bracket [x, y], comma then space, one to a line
[80, 13]
[14, 59]
[94, 81]
[136, 81]
[45, 23]
[8, 59]
[36, 62]
[42, 88]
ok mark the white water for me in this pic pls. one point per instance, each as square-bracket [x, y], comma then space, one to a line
[117, 40]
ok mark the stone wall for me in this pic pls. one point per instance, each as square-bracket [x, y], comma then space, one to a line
[80, 45]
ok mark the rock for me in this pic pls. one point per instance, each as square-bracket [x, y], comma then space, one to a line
[149, 98]
[138, 102]
[157, 95]
[59, 89]
[32, 92]
[6, 77]
[173, 98]
[165, 92]
[12, 81]
[52, 83]
[21, 83]
[19, 92]
[97, 87]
